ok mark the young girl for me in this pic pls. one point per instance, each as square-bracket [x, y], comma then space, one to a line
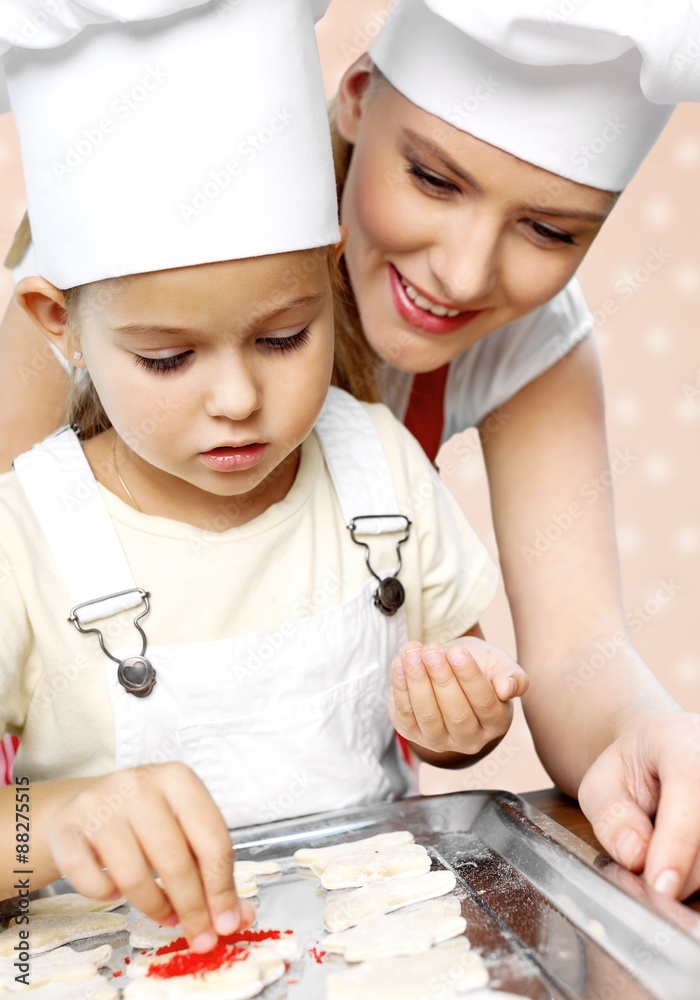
[479, 149]
[204, 590]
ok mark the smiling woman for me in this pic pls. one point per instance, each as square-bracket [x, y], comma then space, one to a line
[436, 248]
[479, 150]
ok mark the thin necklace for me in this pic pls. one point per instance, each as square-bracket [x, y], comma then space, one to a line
[123, 484]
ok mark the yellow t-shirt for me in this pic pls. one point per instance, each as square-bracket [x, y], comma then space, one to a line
[295, 559]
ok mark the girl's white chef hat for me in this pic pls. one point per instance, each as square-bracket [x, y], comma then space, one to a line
[579, 87]
[185, 139]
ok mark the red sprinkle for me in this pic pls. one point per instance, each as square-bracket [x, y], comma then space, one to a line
[179, 944]
[117, 973]
[195, 964]
[127, 960]
[292, 982]
[238, 937]
[317, 955]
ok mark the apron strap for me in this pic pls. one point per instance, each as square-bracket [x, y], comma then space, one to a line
[357, 464]
[63, 493]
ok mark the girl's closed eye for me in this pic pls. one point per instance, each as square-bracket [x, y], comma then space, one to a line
[165, 364]
[286, 344]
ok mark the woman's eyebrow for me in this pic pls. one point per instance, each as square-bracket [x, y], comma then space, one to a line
[262, 315]
[433, 150]
[568, 213]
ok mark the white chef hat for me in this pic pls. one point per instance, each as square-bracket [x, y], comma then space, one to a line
[196, 137]
[579, 87]
[45, 24]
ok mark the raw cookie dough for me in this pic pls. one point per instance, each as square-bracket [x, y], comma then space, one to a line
[373, 866]
[352, 907]
[307, 857]
[286, 946]
[235, 981]
[405, 932]
[245, 883]
[256, 868]
[146, 933]
[447, 971]
[51, 930]
[73, 902]
[61, 965]
[97, 988]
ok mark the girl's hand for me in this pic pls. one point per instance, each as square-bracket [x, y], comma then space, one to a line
[455, 699]
[653, 771]
[160, 818]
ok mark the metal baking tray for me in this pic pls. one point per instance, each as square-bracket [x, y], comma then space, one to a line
[552, 918]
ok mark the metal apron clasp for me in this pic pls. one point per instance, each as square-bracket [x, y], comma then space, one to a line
[390, 595]
[136, 674]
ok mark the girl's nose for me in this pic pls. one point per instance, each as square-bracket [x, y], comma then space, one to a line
[233, 391]
[465, 261]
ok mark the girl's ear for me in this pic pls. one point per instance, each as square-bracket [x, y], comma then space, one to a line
[46, 307]
[353, 87]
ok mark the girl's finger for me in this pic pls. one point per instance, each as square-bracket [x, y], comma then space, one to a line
[508, 679]
[420, 688]
[210, 843]
[77, 860]
[121, 851]
[457, 713]
[169, 854]
[475, 685]
[400, 708]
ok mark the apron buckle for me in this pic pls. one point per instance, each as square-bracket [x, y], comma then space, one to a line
[390, 594]
[136, 674]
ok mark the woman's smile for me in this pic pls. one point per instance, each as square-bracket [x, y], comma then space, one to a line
[428, 315]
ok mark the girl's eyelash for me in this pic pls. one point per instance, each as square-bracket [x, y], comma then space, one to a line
[161, 364]
[423, 175]
[553, 234]
[286, 344]
[282, 344]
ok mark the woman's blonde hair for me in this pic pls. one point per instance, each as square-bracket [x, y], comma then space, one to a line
[356, 366]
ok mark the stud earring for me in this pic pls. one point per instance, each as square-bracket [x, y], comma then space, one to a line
[77, 355]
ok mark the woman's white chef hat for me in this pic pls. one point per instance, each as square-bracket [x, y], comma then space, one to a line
[174, 140]
[579, 87]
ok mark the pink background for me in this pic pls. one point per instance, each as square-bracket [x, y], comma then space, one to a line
[650, 350]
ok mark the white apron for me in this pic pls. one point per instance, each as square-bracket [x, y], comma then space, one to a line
[277, 724]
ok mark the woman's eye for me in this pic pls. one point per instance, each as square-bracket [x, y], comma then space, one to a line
[553, 234]
[162, 364]
[286, 344]
[433, 182]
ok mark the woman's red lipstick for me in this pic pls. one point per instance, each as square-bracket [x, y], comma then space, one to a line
[421, 318]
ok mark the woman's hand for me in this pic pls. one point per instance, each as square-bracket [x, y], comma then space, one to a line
[455, 699]
[160, 818]
[650, 773]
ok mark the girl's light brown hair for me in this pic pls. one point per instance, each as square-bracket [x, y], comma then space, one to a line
[83, 406]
